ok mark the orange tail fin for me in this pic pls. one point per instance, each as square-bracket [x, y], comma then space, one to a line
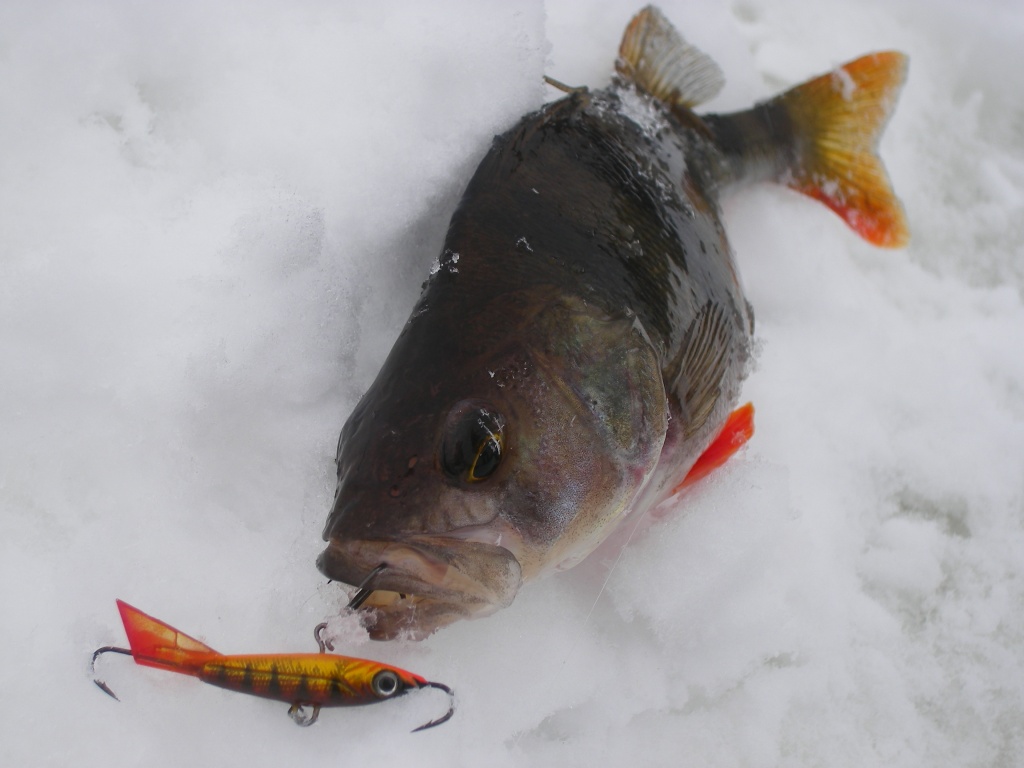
[839, 119]
[155, 644]
[738, 429]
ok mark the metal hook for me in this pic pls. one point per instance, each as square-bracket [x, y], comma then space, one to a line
[451, 707]
[106, 649]
[296, 713]
[325, 645]
[364, 591]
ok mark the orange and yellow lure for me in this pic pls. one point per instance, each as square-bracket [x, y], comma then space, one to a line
[300, 679]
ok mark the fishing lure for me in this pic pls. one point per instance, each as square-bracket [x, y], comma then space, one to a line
[300, 679]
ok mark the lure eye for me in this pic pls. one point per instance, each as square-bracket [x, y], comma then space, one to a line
[385, 683]
[474, 440]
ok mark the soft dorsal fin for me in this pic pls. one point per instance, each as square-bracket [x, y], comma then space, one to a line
[657, 58]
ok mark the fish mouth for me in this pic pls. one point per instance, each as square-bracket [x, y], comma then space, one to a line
[427, 582]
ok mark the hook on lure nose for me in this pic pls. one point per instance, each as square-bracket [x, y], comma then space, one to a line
[447, 715]
[299, 717]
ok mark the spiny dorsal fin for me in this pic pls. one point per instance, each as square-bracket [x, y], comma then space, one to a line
[655, 57]
[700, 366]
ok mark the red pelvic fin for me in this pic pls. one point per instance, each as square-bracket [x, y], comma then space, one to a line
[738, 429]
[155, 644]
[838, 119]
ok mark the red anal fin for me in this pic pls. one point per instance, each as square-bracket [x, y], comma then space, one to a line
[838, 120]
[156, 644]
[738, 429]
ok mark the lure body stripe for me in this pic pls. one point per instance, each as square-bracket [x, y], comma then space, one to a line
[312, 678]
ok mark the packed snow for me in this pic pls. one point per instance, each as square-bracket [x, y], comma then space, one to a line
[214, 219]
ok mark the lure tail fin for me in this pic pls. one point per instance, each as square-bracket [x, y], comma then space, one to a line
[738, 429]
[156, 644]
[821, 138]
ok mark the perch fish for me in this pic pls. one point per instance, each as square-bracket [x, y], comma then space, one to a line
[577, 353]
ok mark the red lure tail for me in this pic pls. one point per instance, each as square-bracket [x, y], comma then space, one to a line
[738, 429]
[156, 644]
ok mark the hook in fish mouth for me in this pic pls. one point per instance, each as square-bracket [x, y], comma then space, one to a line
[420, 583]
[364, 590]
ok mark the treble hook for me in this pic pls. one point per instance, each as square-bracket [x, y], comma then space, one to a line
[296, 713]
[106, 649]
[363, 591]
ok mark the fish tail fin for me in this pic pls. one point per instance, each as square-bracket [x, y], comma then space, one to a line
[738, 429]
[841, 117]
[821, 138]
[156, 644]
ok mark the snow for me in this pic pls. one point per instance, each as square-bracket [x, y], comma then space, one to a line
[214, 219]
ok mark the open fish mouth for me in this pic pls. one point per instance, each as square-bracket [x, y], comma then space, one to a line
[426, 582]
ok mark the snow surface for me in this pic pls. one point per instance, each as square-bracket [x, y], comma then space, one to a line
[214, 218]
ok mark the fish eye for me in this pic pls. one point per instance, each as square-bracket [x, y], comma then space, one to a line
[385, 683]
[474, 439]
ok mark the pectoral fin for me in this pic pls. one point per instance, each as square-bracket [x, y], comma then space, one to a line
[699, 368]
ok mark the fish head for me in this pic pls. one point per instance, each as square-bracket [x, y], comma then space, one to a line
[468, 468]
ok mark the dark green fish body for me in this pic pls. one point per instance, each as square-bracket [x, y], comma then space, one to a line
[580, 206]
[606, 199]
[578, 345]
